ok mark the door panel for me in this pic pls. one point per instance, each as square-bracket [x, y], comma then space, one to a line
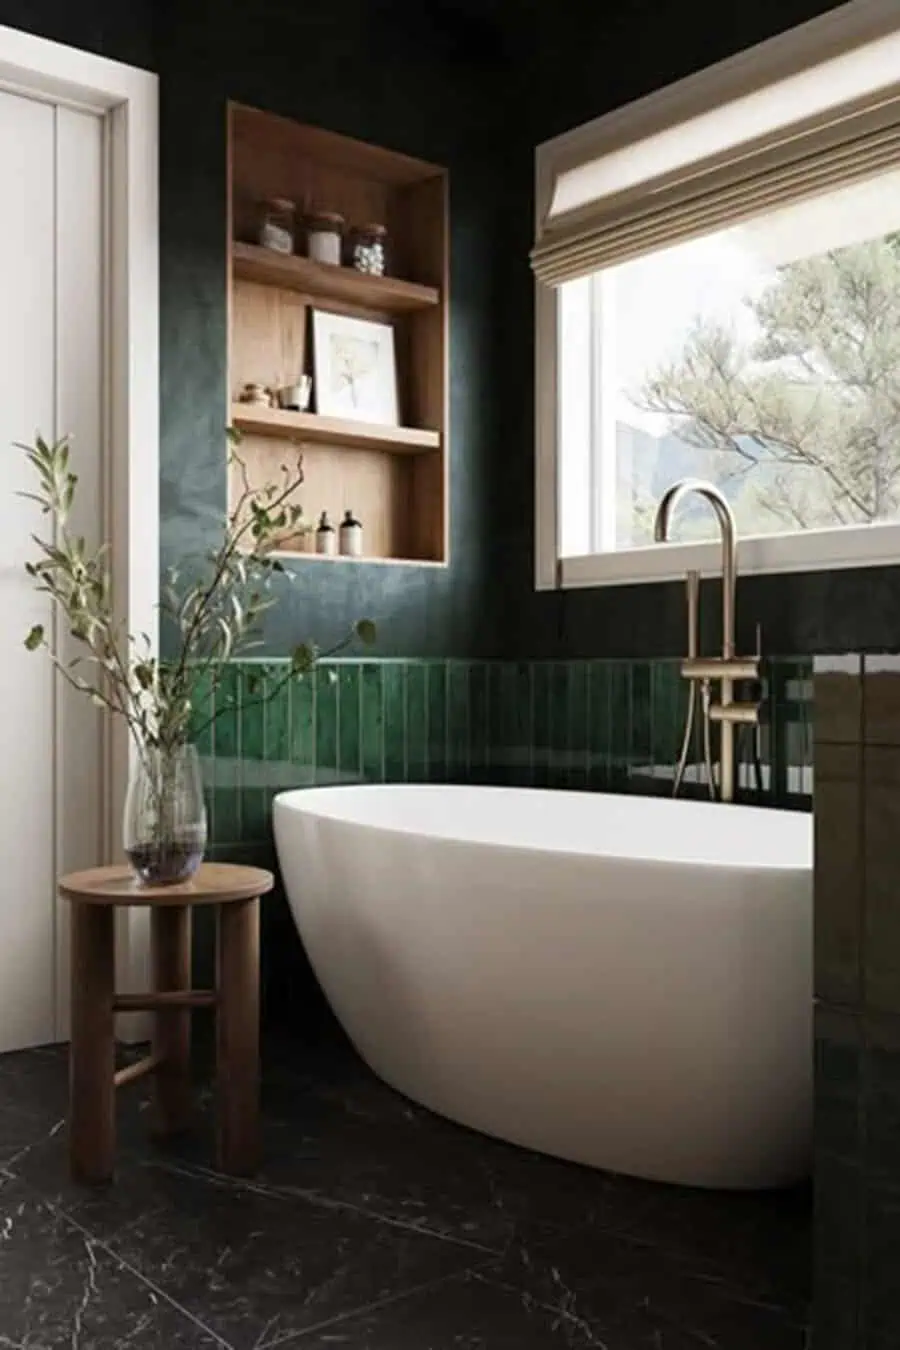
[50, 342]
[80, 289]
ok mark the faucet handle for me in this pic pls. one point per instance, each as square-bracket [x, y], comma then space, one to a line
[717, 668]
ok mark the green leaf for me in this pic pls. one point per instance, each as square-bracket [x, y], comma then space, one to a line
[303, 658]
[366, 632]
[35, 638]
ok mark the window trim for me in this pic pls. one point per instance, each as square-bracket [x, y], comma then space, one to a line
[800, 48]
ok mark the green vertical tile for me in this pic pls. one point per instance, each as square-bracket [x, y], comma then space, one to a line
[559, 722]
[437, 721]
[202, 709]
[458, 721]
[417, 723]
[350, 739]
[227, 730]
[227, 822]
[522, 702]
[541, 722]
[479, 747]
[669, 712]
[372, 728]
[640, 748]
[327, 729]
[253, 713]
[619, 714]
[578, 727]
[501, 719]
[255, 815]
[395, 762]
[600, 722]
[303, 727]
[278, 715]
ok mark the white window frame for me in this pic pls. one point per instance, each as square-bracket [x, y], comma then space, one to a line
[799, 49]
[126, 99]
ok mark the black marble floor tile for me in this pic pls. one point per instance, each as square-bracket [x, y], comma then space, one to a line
[35, 1082]
[757, 1242]
[460, 1184]
[17, 1134]
[251, 1265]
[59, 1288]
[631, 1296]
[377, 1225]
[462, 1313]
[347, 1135]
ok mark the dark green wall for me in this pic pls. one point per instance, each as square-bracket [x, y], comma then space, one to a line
[123, 30]
[597, 58]
[437, 81]
[419, 79]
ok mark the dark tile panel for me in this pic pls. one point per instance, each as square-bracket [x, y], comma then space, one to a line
[882, 877]
[838, 699]
[839, 878]
[881, 700]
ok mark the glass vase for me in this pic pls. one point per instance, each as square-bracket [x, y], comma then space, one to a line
[165, 815]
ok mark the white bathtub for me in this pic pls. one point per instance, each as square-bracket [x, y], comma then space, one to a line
[622, 981]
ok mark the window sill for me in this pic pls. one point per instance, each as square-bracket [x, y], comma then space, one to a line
[812, 551]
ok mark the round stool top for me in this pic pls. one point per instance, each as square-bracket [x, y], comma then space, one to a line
[212, 884]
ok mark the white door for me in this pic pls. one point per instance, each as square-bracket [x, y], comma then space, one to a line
[51, 381]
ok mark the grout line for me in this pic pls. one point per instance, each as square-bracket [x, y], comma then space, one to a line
[361, 1311]
[109, 1251]
[286, 1193]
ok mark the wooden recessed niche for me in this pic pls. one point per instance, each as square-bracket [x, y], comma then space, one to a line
[393, 478]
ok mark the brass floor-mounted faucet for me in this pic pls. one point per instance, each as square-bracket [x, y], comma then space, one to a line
[702, 672]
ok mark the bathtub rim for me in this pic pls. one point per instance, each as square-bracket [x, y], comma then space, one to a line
[289, 801]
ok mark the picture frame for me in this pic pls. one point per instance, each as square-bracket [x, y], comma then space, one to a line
[354, 368]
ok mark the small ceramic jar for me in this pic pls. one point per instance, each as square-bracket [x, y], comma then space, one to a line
[257, 395]
[295, 397]
[276, 225]
[324, 236]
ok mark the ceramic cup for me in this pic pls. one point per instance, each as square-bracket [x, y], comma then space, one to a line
[296, 396]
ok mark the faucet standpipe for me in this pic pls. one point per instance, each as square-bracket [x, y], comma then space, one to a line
[725, 669]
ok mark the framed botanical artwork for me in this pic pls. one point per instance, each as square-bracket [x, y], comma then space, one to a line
[355, 368]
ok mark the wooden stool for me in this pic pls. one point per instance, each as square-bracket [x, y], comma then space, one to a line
[95, 896]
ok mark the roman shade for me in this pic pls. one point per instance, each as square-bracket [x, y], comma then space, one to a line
[677, 185]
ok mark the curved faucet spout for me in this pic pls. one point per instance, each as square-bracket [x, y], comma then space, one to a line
[697, 487]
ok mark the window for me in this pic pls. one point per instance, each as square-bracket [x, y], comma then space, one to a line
[718, 272]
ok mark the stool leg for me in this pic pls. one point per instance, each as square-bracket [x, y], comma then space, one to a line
[92, 1093]
[171, 945]
[237, 1037]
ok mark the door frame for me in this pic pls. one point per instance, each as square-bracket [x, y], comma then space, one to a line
[127, 101]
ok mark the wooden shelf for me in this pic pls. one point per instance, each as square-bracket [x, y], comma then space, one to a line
[298, 555]
[395, 479]
[335, 431]
[319, 281]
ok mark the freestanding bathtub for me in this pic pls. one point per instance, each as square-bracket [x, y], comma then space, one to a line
[621, 981]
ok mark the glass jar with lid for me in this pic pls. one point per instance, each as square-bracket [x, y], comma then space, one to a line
[367, 249]
[324, 236]
[276, 225]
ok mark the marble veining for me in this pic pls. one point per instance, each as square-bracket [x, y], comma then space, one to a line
[373, 1225]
